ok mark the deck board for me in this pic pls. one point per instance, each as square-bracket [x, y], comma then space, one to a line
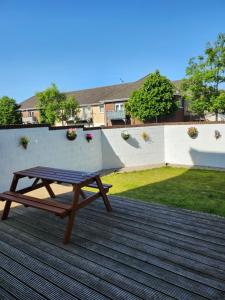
[138, 251]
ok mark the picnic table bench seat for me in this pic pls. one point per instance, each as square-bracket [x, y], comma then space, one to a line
[58, 208]
[105, 186]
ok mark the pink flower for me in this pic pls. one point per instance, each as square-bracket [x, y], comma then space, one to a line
[89, 136]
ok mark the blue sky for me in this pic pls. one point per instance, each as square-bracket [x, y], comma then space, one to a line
[83, 44]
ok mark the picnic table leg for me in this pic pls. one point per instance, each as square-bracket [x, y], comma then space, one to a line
[71, 217]
[48, 188]
[8, 203]
[104, 196]
[82, 193]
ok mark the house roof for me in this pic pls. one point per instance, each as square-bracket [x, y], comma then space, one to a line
[95, 95]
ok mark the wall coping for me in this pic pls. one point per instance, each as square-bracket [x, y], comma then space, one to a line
[20, 126]
[164, 123]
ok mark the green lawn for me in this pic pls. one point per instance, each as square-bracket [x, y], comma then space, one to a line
[195, 189]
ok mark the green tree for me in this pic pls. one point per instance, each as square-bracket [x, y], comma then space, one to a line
[9, 111]
[205, 76]
[154, 99]
[56, 106]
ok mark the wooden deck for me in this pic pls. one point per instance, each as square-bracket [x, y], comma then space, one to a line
[138, 251]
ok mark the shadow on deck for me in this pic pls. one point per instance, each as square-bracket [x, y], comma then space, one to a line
[138, 251]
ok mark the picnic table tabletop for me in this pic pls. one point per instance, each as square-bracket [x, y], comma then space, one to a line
[58, 175]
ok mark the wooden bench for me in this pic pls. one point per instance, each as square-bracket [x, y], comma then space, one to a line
[105, 186]
[58, 208]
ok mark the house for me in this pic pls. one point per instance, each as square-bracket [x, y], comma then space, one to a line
[103, 105]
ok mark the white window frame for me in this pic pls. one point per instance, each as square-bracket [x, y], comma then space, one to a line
[119, 106]
[101, 108]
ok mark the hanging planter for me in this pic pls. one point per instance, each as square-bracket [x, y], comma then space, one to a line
[89, 137]
[145, 136]
[71, 134]
[125, 135]
[217, 134]
[24, 141]
[192, 132]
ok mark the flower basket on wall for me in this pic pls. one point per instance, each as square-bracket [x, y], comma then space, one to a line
[192, 132]
[217, 134]
[24, 141]
[71, 134]
[89, 137]
[125, 135]
[145, 136]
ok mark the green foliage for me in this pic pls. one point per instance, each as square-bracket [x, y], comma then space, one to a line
[155, 98]
[55, 106]
[9, 113]
[205, 75]
[24, 141]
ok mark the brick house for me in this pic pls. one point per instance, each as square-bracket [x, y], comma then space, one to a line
[104, 105]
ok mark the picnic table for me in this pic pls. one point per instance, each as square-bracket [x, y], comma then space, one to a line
[43, 177]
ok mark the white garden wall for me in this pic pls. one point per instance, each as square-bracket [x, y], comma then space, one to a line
[47, 148]
[168, 144]
[205, 150]
[117, 153]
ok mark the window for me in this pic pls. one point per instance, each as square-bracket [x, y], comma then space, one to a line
[30, 113]
[181, 103]
[119, 106]
[101, 108]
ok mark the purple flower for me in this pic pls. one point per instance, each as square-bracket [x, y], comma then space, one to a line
[89, 136]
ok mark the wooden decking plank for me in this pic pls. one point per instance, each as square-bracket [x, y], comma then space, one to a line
[128, 255]
[143, 225]
[165, 263]
[18, 289]
[138, 226]
[175, 223]
[30, 278]
[41, 250]
[206, 234]
[152, 229]
[143, 237]
[199, 264]
[146, 206]
[178, 218]
[56, 270]
[111, 261]
[212, 243]
[4, 295]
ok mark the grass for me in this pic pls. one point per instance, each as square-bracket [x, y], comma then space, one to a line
[194, 189]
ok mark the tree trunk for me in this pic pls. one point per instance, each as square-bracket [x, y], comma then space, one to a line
[216, 116]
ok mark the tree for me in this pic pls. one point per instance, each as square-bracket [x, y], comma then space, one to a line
[154, 99]
[56, 106]
[205, 75]
[9, 111]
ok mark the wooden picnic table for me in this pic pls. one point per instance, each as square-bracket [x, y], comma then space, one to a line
[43, 177]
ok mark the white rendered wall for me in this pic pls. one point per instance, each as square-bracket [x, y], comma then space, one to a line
[118, 153]
[47, 148]
[205, 150]
[107, 150]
